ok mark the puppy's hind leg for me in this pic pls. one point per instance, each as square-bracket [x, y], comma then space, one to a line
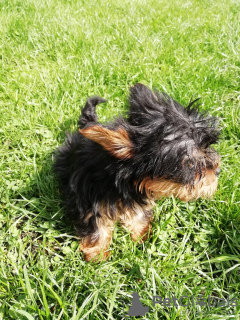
[95, 245]
[88, 115]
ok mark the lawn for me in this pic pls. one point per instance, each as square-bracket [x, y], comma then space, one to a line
[55, 54]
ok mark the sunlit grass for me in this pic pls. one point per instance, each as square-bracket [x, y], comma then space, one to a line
[53, 55]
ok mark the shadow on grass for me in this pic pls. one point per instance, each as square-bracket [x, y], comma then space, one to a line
[41, 200]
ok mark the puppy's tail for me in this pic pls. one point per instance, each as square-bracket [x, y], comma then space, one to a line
[88, 114]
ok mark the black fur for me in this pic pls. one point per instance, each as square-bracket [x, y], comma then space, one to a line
[165, 136]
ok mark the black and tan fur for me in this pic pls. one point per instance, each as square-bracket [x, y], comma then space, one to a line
[114, 172]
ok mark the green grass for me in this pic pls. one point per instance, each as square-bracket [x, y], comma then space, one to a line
[53, 55]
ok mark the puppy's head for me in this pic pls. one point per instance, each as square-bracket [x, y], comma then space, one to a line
[174, 143]
[165, 146]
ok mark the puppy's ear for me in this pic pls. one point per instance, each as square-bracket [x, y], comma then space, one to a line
[143, 103]
[117, 143]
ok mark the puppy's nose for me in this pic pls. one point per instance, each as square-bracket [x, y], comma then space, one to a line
[217, 171]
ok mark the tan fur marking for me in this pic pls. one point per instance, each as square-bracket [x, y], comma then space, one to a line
[116, 142]
[95, 246]
[136, 221]
[158, 188]
[88, 216]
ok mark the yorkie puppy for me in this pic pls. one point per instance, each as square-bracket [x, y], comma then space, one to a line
[113, 172]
